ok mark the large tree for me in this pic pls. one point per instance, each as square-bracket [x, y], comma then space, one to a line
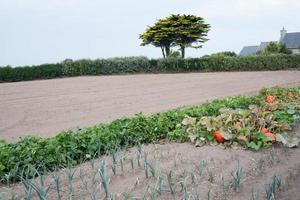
[158, 36]
[176, 30]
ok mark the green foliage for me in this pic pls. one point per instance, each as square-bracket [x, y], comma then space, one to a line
[73, 147]
[132, 65]
[176, 30]
[174, 54]
[249, 126]
[224, 54]
[275, 48]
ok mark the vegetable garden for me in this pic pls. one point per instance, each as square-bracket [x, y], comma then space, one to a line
[242, 122]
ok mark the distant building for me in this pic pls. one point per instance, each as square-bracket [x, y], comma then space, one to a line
[290, 40]
[248, 50]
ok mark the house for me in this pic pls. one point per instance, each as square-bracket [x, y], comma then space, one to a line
[248, 50]
[290, 40]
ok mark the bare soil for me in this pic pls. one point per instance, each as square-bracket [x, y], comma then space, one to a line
[46, 107]
[204, 171]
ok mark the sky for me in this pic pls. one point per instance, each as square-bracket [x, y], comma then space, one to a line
[48, 31]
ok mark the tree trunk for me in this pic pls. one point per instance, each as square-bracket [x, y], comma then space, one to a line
[182, 49]
[168, 51]
[163, 52]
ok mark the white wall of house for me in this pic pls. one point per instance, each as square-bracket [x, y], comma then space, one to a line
[295, 51]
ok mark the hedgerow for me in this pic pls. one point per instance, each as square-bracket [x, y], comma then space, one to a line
[73, 147]
[132, 65]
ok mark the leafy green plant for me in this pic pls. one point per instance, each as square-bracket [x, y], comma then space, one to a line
[249, 127]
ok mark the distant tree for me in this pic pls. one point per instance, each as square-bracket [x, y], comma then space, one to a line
[283, 49]
[176, 30]
[225, 54]
[275, 48]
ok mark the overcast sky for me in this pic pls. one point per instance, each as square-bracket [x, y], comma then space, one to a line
[46, 31]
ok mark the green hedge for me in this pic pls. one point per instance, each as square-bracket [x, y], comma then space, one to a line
[131, 65]
[73, 147]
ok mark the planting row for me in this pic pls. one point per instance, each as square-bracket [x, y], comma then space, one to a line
[131, 65]
[156, 172]
[227, 121]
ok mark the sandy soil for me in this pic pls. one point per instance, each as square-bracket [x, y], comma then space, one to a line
[46, 107]
[199, 170]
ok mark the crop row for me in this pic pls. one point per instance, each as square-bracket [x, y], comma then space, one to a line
[73, 147]
[133, 65]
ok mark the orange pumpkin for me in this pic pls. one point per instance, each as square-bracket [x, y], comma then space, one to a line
[265, 130]
[270, 99]
[271, 136]
[219, 137]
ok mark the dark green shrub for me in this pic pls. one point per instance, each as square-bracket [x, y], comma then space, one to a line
[133, 65]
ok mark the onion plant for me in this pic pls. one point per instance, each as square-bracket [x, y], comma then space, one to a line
[104, 178]
[237, 177]
[56, 178]
[170, 182]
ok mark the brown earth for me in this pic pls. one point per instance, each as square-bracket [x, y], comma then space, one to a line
[46, 107]
[199, 170]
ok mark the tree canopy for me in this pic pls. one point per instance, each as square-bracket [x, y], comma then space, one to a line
[176, 30]
[275, 48]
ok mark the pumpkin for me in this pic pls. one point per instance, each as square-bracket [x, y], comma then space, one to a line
[265, 130]
[219, 137]
[270, 99]
[271, 137]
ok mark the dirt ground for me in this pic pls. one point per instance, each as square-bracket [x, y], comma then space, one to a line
[46, 107]
[195, 172]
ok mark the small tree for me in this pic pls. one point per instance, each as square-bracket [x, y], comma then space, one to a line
[275, 48]
[176, 30]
